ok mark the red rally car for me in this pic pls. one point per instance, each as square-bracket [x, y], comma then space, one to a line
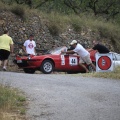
[53, 60]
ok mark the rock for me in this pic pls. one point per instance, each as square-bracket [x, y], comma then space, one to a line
[20, 31]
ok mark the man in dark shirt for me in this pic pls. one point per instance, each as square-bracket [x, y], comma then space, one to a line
[99, 47]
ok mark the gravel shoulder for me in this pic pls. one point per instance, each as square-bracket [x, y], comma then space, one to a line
[65, 96]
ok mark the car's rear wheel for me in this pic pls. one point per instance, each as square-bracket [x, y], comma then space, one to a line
[47, 66]
[29, 70]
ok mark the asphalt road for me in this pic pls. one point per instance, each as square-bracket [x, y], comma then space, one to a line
[67, 97]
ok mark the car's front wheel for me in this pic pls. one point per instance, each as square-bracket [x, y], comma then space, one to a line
[29, 70]
[47, 66]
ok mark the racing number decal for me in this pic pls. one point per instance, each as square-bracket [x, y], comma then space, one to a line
[104, 62]
[73, 61]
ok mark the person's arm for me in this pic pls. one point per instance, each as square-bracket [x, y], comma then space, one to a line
[11, 48]
[35, 51]
[11, 45]
[24, 48]
[34, 47]
[89, 50]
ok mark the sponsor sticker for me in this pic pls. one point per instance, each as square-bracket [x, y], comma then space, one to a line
[62, 60]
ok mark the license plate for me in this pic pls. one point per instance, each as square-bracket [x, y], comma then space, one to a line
[19, 61]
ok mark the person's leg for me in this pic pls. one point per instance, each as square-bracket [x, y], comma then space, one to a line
[5, 64]
[81, 63]
[89, 62]
[0, 63]
[1, 57]
[5, 61]
[84, 67]
[93, 66]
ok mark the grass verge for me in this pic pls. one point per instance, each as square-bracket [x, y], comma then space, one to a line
[12, 104]
[110, 75]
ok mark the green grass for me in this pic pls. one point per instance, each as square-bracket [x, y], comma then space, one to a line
[79, 23]
[12, 104]
[110, 75]
[3, 6]
[56, 22]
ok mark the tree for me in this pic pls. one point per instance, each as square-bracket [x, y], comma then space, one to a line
[27, 2]
[109, 8]
[106, 8]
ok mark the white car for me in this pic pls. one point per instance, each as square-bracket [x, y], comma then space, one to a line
[116, 59]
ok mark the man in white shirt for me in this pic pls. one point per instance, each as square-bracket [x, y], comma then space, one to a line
[29, 46]
[83, 53]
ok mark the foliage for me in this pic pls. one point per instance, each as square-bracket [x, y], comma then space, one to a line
[109, 9]
[59, 19]
[56, 22]
[18, 10]
[54, 30]
[77, 23]
[10, 101]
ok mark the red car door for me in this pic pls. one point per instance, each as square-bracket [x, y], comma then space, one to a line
[70, 62]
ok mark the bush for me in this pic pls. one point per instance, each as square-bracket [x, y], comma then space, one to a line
[19, 11]
[54, 30]
[56, 22]
[76, 26]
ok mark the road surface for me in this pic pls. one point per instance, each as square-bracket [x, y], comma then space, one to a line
[67, 96]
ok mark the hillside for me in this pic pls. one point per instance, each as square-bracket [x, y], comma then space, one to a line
[56, 29]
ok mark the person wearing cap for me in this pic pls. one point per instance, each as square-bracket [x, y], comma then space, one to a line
[29, 46]
[6, 47]
[99, 47]
[83, 53]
